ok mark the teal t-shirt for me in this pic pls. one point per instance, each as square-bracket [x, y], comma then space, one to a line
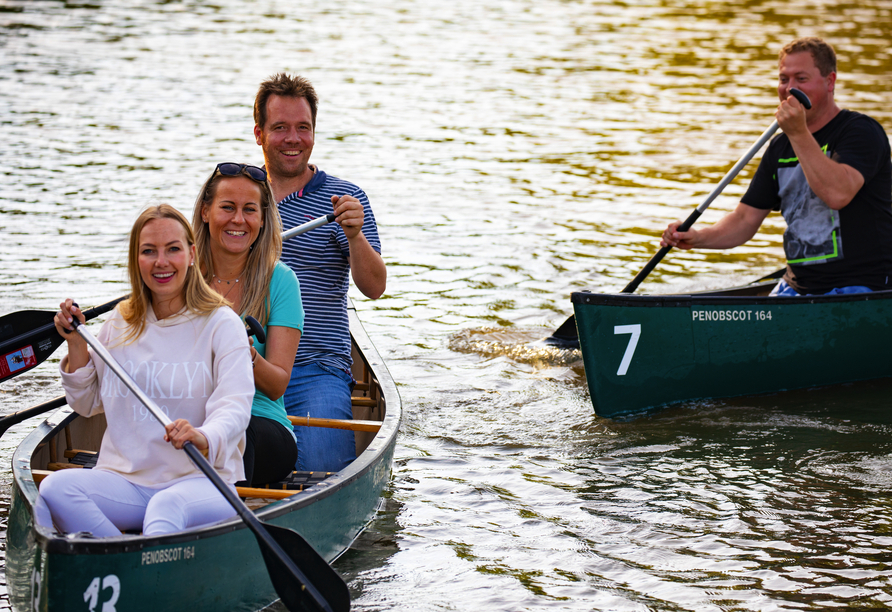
[286, 310]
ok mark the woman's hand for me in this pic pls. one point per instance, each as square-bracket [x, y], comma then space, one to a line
[67, 310]
[181, 431]
[78, 354]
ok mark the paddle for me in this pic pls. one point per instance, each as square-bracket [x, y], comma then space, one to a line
[566, 335]
[23, 415]
[302, 579]
[29, 337]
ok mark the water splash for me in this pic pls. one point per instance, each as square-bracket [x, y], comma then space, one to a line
[521, 345]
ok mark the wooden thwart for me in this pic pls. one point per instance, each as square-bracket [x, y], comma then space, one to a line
[372, 426]
[265, 493]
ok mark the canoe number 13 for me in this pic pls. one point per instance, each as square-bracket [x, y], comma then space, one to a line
[91, 595]
[635, 331]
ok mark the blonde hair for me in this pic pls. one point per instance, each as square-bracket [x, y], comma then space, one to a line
[265, 252]
[200, 299]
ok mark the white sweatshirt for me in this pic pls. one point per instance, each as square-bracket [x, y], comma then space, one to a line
[194, 367]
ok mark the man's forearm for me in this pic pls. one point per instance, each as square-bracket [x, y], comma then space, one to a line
[835, 183]
[732, 230]
[367, 267]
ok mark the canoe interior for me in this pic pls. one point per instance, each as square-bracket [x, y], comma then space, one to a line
[641, 352]
[218, 567]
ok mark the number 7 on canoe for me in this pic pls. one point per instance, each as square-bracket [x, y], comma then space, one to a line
[635, 330]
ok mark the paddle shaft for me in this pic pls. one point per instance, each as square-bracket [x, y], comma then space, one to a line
[253, 523]
[23, 415]
[300, 229]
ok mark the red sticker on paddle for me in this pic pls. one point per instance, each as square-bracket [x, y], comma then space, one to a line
[17, 360]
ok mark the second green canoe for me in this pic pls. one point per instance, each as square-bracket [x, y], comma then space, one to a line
[644, 351]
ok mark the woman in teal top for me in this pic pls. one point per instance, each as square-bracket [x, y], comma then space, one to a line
[238, 235]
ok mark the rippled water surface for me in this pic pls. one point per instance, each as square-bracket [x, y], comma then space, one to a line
[514, 151]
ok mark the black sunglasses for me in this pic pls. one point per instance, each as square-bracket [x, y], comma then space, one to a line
[233, 169]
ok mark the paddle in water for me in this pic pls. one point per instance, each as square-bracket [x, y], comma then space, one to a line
[566, 335]
[302, 579]
[28, 337]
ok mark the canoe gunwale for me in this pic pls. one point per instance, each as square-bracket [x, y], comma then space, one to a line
[379, 450]
[717, 299]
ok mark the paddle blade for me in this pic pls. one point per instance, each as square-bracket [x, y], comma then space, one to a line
[565, 336]
[320, 574]
[27, 338]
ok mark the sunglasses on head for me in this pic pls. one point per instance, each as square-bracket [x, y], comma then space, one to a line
[233, 169]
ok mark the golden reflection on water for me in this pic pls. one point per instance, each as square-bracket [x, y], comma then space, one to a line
[514, 152]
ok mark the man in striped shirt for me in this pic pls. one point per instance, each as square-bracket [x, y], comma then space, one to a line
[323, 260]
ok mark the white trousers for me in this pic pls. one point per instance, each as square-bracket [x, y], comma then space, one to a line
[105, 504]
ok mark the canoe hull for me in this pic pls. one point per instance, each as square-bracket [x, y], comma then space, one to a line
[219, 567]
[641, 352]
[220, 570]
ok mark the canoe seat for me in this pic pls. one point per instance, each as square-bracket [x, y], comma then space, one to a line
[298, 481]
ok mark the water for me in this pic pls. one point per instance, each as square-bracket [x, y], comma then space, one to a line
[514, 152]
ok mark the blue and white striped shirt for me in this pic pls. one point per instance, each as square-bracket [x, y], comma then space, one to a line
[319, 258]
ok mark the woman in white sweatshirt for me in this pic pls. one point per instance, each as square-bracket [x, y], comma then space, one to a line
[189, 352]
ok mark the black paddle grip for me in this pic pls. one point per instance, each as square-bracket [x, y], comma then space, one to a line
[255, 329]
[803, 99]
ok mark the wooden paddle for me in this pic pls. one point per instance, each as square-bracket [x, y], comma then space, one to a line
[302, 579]
[566, 335]
[28, 337]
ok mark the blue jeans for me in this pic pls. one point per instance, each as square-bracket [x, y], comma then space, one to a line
[784, 290]
[321, 391]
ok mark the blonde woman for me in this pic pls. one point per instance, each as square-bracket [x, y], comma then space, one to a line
[185, 349]
[239, 241]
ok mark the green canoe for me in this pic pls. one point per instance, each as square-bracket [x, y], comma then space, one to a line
[214, 568]
[644, 351]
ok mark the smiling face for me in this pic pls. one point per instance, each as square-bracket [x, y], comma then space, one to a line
[234, 216]
[164, 259]
[287, 138]
[799, 70]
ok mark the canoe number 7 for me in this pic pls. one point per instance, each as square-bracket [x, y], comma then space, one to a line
[91, 595]
[635, 331]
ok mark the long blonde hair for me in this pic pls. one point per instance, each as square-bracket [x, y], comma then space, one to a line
[199, 298]
[265, 252]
